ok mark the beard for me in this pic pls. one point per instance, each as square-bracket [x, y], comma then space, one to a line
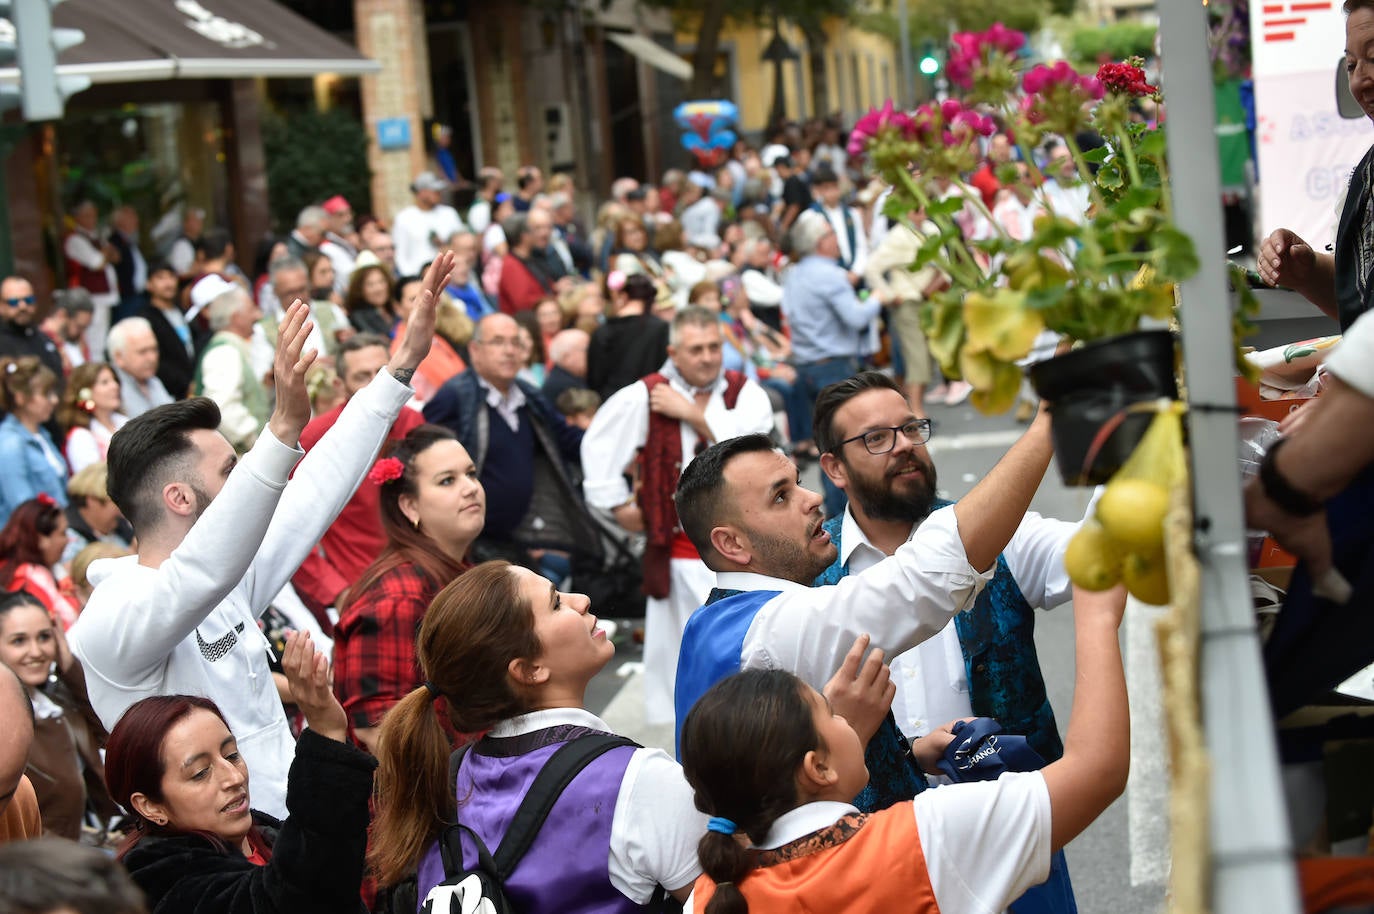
[783, 558]
[888, 499]
[203, 499]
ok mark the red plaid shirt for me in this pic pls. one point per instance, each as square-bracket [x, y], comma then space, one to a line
[374, 644]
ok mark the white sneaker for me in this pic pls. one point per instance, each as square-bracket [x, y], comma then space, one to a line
[958, 392]
[936, 394]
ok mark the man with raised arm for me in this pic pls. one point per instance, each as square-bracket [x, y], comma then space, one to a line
[181, 616]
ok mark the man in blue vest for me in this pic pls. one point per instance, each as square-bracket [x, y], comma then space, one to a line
[850, 236]
[742, 505]
[984, 664]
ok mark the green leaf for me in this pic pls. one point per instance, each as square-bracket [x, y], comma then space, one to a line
[1109, 176]
[898, 205]
[1152, 143]
[1174, 257]
[942, 208]
[1097, 156]
[1043, 297]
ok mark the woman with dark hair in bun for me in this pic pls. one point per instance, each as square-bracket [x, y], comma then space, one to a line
[633, 342]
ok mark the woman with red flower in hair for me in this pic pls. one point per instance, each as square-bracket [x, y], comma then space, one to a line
[31, 545]
[433, 507]
[90, 414]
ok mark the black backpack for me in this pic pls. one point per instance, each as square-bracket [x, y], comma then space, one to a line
[482, 890]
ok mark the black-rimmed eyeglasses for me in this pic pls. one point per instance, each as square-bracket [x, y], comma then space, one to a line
[879, 441]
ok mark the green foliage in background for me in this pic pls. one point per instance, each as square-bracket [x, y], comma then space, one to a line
[311, 156]
[1090, 46]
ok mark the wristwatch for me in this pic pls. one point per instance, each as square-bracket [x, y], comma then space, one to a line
[1280, 491]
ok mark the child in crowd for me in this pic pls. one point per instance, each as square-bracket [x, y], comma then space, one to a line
[768, 757]
[578, 406]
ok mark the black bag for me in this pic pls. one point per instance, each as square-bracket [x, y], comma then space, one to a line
[614, 581]
[482, 890]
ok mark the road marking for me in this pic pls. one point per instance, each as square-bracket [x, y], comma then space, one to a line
[964, 442]
[1147, 787]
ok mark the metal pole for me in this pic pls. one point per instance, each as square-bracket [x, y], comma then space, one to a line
[1251, 855]
[906, 97]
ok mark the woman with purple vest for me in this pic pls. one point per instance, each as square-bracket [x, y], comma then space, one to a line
[511, 657]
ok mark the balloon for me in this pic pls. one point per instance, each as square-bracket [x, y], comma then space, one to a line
[707, 129]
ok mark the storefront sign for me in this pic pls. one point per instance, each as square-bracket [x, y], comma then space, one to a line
[1306, 150]
[393, 133]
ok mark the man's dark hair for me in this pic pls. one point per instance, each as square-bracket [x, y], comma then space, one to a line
[214, 243]
[833, 396]
[162, 266]
[149, 452]
[701, 497]
[48, 874]
[639, 194]
[359, 341]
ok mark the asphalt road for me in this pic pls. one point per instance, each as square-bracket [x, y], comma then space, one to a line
[1120, 864]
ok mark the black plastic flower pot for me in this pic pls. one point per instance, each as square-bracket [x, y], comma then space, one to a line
[1089, 392]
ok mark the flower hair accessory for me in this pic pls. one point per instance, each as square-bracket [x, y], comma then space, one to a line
[46, 500]
[386, 470]
[85, 400]
[616, 280]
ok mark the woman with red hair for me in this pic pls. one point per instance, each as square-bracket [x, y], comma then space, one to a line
[198, 846]
[433, 507]
[31, 545]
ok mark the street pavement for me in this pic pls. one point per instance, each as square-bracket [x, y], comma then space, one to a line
[1120, 864]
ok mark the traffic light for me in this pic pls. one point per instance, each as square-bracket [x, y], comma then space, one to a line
[31, 41]
[9, 57]
[930, 64]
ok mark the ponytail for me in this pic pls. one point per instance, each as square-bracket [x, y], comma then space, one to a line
[742, 744]
[413, 797]
[470, 634]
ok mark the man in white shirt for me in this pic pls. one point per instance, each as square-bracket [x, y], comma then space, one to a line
[423, 229]
[742, 505]
[489, 181]
[662, 421]
[181, 616]
[845, 220]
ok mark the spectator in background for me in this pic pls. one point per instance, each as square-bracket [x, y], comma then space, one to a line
[381, 249]
[568, 355]
[81, 566]
[91, 516]
[131, 269]
[72, 313]
[64, 763]
[424, 228]
[90, 414]
[353, 541]
[326, 305]
[570, 238]
[176, 362]
[525, 278]
[182, 254]
[91, 265]
[463, 284]
[531, 350]
[796, 189]
[529, 182]
[31, 545]
[985, 178]
[19, 333]
[134, 352]
[848, 224]
[578, 405]
[489, 181]
[432, 508]
[290, 279]
[632, 342]
[30, 464]
[446, 356]
[340, 240]
[631, 253]
[226, 374]
[311, 223]
[368, 301]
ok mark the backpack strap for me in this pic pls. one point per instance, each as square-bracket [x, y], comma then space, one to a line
[557, 773]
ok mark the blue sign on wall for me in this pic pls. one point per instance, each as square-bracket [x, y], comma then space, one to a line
[394, 133]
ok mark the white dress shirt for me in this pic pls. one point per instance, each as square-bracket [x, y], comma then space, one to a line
[932, 679]
[507, 405]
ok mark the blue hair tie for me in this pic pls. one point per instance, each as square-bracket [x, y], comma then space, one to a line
[721, 826]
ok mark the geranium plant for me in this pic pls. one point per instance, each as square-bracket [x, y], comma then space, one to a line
[1086, 278]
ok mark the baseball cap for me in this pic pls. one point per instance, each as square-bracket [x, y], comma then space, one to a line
[428, 180]
[335, 205]
[207, 289]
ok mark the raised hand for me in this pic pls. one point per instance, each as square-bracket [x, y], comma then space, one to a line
[420, 328]
[307, 672]
[289, 367]
[861, 691]
[1285, 260]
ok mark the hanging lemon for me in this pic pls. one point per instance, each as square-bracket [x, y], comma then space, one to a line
[1146, 577]
[1132, 511]
[1093, 559]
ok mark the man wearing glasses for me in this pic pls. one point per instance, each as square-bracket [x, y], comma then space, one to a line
[19, 333]
[983, 664]
[742, 505]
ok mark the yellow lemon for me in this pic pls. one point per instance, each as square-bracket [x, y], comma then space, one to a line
[1093, 559]
[1147, 577]
[1133, 512]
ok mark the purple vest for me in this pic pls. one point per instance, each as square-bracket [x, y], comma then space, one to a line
[567, 868]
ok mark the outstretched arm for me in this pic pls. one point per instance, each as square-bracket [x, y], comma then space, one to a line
[989, 515]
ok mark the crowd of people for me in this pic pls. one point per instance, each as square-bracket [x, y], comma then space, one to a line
[361, 506]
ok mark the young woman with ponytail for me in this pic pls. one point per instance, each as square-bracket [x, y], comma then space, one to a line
[771, 761]
[512, 657]
[433, 507]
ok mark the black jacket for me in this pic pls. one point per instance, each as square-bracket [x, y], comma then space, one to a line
[176, 369]
[625, 349]
[317, 853]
